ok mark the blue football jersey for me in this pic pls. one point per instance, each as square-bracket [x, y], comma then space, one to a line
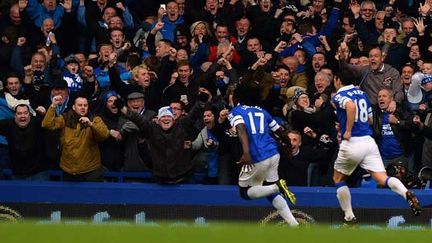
[361, 126]
[258, 123]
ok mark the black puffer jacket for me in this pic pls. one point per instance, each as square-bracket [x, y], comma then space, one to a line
[402, 131]
[171, 161]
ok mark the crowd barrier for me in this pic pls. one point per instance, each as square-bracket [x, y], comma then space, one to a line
[140, 202]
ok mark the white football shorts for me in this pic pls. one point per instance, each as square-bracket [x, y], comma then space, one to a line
[265, 170]
[361, 151]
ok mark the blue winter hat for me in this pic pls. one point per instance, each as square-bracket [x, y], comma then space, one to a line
[297, 94]
[108, 94]
[426, 79]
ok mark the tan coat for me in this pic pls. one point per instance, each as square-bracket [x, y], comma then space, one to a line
[79, 146]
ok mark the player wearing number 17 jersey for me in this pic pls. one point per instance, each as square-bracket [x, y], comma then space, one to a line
[259, 174]
[358, 148]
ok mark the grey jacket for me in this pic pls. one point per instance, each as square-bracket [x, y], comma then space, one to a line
[372, 81]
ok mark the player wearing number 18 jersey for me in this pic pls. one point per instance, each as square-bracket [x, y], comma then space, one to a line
[358, 148]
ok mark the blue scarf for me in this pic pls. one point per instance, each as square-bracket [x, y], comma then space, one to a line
[60, 109]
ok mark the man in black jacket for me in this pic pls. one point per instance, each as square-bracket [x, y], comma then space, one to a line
[392, 130]
[168, 141]
[24, 134]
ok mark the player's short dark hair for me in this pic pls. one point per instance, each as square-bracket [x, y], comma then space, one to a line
[347, 76]
[248, 94]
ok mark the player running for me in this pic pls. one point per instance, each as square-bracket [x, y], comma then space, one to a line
[259, 174]
[354, 114]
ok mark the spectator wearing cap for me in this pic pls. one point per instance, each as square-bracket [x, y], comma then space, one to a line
[126, 152]
[25, 144]
[72, 73]
[414, 92]
[80, 133]
[136, 102]
[143, 81]
[169, 143]
[423, 122]
[426, 84]
[112, 150]
[306, 118]
[58, 87]
[289, 100]
[182, 37]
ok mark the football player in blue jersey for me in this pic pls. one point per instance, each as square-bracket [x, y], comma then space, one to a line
[260, 159]
[358, 148]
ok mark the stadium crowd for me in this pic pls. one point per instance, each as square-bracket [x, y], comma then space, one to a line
[68, 66]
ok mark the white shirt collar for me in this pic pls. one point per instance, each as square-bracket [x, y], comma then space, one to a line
[348, 87]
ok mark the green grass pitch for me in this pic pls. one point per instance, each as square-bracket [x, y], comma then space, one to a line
[211, 233]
